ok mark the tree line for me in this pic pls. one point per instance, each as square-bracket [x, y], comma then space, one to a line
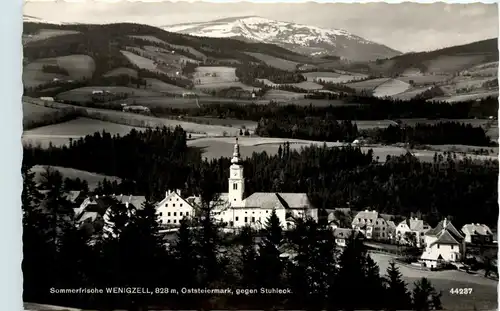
[249, 72]
[441, 133]
[331, 130]
[129, 251]
[152, 161]
[353, 108]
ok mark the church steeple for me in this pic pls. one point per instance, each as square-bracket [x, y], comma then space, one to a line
[236, 153]
[236, 179]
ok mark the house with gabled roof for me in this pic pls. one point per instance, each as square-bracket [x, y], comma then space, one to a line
[477, 234]
[414, 226]
[173, 208]
[372, 225]
[444, 243]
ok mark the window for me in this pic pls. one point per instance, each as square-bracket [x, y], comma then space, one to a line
[359, 219]
[267, 212]
[236, 218]
[168, 221]
[253, 219]
[246, 220]
[181, 204]
[438, 245]
[173, 205]
[187, 213]
[161, 214]
[452, 247]
[168, 214]
[166, 205]
[235, 186]
[175, 214]
[175, 221]
[177, 199]
[231, 224]
[376, 222]
[180, 214]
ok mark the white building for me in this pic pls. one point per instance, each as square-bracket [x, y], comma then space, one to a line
[372, 225]
[236, 209]
[444, 243]
[477, 234]
[415, 226]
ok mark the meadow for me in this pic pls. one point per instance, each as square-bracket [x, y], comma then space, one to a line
[367, 84]
[282, 95]
[411, 93]
[452, 63]
[466, 97]
[44, 34]
[92, 179]
[390, 88]
[275, 62]
[84, 94]
[77, 66]
[217, 77]
[141, 62]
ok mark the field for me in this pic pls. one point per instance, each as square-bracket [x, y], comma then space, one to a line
[92, 178]
[77, 66]
[84, 94]
[367, 84]
[466, 97]
[424, 79]
[122, 71]
[332, 77]
[411, 93]
[217, 77]
[484, 295]
[390, 87]
[59, 134]
[282, 95]
[250, 125]
[275, 62]
[139, 61]
[316, 102]
[483, 70]
[150, 38]
[214, 148]
[447, 63]
[44, 34]
[156, 85]
[34, 111]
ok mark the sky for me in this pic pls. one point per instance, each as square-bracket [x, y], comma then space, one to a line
[407, 27]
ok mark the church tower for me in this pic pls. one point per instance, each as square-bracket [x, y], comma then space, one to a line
[236, 179]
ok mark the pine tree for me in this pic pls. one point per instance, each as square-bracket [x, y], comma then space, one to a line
[273, 229]
[349, 277]
[373, 284]
[397, 295]
[425, 297]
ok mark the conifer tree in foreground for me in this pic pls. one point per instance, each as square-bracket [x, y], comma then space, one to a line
[425, 296]
[397, 295]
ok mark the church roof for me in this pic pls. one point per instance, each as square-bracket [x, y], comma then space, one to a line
[445, 225]
[445, 237]
[271, 200]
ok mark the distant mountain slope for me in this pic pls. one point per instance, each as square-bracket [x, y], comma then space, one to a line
[309, 40]
[449, 60]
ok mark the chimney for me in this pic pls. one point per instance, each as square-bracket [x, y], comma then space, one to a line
[178, 191]
[444, 223]
[167, 193]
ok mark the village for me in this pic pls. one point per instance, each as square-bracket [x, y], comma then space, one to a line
[410, 239]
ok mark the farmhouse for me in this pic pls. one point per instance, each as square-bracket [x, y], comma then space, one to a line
[237, 210]
[372, 225]
[477, 234]
[137, 109]
[412, 226]
[48, 99]
[444, 243]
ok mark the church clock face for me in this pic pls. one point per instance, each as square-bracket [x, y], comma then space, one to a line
[235, 174]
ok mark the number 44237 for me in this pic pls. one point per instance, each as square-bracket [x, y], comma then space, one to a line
[461, 291]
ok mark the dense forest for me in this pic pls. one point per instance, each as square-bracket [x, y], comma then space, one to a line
[331, 130]
[131, 253]
[156, 160]
[353, 108]
[433, 134]
[249, 72]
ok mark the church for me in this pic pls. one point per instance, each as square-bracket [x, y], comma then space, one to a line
[237, 210]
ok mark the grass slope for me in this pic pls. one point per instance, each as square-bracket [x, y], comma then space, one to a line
[92, 178]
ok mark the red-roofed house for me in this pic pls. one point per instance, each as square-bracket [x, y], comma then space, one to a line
[444, 243]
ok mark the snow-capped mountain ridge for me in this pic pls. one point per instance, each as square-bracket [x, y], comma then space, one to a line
[307, 39]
